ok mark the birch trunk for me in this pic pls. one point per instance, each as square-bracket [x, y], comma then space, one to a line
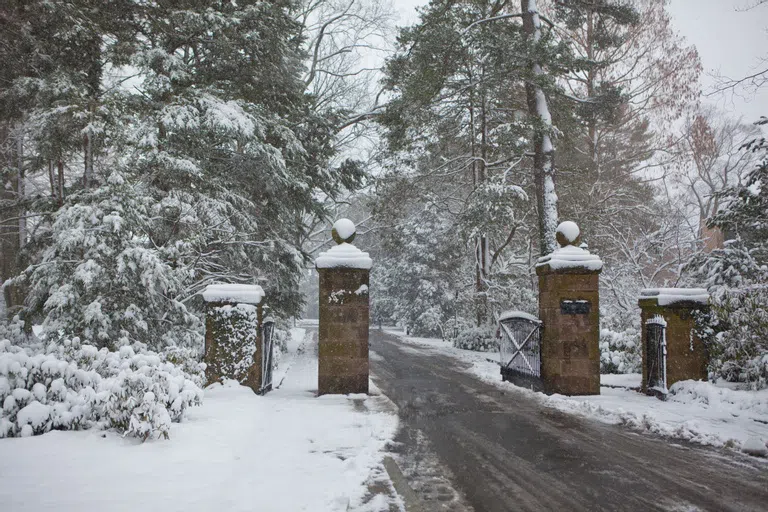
[544, 149]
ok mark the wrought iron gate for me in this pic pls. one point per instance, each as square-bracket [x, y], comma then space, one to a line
[520, 348]
[656, 354]
[267, 332]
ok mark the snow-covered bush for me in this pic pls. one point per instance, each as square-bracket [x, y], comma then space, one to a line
[188, 361]
[280, 339]
[620, 351]
[735, 330]
[736, 327]
[14, 330]
[481, 339]
[454, 326]
[72, 386]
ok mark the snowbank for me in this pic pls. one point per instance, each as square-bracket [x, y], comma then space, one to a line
[285, 451]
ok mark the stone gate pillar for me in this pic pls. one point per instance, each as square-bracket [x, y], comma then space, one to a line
[343, 329]
[569, 307]
[685, 356]
[232, 335]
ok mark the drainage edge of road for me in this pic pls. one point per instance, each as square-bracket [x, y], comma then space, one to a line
[408, 495]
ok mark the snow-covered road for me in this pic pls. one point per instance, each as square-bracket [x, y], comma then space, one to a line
[286, 451]
[507, 450]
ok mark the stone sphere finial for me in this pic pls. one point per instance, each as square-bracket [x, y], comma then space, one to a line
[344, 230]
[568, 233]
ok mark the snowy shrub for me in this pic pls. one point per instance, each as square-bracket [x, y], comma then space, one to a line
[735, 330]
[481, 339]
[72, 386]
[281, 337]
[620, 351]
[15, 332]
[454, 326]
[188, 361]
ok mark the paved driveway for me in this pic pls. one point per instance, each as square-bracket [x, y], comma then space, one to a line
[506, 452]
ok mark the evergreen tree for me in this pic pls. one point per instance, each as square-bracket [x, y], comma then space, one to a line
[196, 142]
[737, 277]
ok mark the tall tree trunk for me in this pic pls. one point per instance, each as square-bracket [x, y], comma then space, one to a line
[52, 178]
[591, 79]
[88, 148]
[544, 149]
[21, 190]
[61, 182]
[87, 160]
[10, 215]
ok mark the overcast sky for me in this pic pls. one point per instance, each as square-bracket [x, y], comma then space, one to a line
[730, 42]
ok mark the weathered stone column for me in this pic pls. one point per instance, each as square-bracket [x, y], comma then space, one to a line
[672, 310]
[343, 329]
[569, 307]
[232, 337]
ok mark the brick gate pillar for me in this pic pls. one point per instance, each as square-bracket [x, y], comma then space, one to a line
[687, 356]
[569, 307]
[232, 334]
[343, 329]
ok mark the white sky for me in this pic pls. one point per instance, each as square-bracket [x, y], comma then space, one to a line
[729, 41]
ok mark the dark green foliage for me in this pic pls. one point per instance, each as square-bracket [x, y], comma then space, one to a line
[199, 110]
[736, 327]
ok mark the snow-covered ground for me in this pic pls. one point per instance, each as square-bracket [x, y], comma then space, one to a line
[698, 411]
[286, 451]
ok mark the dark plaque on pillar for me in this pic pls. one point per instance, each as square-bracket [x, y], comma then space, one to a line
[343, 330]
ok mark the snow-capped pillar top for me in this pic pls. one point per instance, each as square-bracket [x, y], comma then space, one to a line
[233, 293]
[690, 297]
[569, 257]
[344, 255]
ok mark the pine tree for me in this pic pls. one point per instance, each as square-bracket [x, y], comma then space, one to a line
[196, 142]
[737, 277]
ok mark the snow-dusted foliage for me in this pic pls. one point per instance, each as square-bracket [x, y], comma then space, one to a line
[71, 385]
[736, 327]
[416, 275]
[201, 169]
[102, 277]
[480, 339]
[620, 351]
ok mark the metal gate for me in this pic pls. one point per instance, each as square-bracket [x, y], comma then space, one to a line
[656, 354]
[267, 332]
[520, 348]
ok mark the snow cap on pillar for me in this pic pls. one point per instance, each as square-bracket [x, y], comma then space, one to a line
[569, 255]
[344, 255]
[232, 292]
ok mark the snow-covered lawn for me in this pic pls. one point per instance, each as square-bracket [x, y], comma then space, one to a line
[286, 451]
[699, 411]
